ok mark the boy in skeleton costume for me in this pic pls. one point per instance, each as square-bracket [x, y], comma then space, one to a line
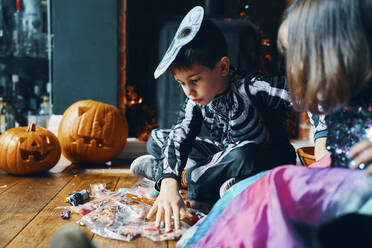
[244, 113]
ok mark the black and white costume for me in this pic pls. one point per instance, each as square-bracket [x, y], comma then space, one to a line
[247, 135]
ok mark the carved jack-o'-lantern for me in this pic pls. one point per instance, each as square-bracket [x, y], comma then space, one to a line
[92, 132]
[27, 150]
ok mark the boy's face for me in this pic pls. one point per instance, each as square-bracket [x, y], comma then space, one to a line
[202, 84]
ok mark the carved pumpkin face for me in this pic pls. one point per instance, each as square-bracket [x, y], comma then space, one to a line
[27, 150]
[92, 132]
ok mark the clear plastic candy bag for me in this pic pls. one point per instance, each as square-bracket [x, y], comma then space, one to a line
[122, 215]
[113, 220]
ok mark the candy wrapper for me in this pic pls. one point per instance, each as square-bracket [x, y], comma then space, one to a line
[102, 196]
[114, 220]
[143, 191]
[150, 231]
[99, 190]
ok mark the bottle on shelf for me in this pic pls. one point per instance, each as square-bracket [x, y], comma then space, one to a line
[44, 112]
[3, 84]
[33, 28]
[18, 31]
[34, 102]
[2, 117]
[2, 31]
[9, 114]
[34, 99]
[18, 102]
[4, 36]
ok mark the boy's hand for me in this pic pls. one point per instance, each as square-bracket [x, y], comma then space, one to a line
[169, 203]
[361, 153]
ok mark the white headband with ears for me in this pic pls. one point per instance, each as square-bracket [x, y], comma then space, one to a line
[187, 30]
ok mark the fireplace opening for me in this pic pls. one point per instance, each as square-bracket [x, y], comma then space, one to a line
[141, 117]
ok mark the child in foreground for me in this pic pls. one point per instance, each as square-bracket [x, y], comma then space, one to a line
[329, 72]
[245, 114]
[328, 50]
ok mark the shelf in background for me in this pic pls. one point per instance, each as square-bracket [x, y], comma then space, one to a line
[27, 66]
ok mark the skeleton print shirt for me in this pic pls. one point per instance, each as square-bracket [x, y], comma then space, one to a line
[232, 117]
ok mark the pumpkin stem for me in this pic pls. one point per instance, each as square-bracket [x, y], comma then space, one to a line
[31, 127]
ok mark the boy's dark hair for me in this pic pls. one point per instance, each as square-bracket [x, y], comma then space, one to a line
[329, 55]
[207, 48]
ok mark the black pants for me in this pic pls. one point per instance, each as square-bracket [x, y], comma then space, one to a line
[208, 166]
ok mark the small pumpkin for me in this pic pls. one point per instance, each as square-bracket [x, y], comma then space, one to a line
[92, 132]
[28, 150]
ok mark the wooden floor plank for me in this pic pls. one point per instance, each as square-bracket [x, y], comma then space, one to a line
[20, 203]
[28, 217]
[8, 181]
[126, 181]
[41, 229]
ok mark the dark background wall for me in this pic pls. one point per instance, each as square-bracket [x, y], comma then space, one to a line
[85, 52]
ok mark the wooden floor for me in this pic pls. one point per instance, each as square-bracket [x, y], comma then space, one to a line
[28, 217]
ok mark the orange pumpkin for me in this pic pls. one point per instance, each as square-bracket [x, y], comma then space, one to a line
[92, 132]
[28, 150]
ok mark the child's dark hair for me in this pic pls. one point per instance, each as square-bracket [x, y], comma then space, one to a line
[207, 48]
[328, 51]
